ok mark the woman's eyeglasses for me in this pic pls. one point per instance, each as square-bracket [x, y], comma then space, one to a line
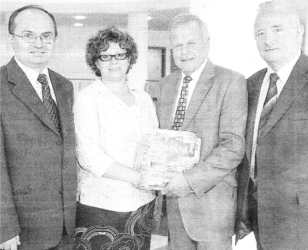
[120, 56]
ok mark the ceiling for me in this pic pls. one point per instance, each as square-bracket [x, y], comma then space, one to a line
[103, 12]
[114, 12]
[159, 19]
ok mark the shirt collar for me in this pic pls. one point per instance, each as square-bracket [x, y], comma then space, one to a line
[31, 73]
[285, 71]
[195, 75]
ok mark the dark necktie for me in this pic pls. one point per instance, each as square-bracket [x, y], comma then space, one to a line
[49, 103]
[270, 101]
[268, 106]
[181, 107]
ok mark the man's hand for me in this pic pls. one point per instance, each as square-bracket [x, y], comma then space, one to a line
[242, 232]
[177, 186]
[10, 244]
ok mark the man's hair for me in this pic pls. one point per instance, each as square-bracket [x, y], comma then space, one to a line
[12, 25]
[280, 7]
[186, 18]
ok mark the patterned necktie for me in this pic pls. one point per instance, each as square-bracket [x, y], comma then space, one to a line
[181, 107]
[177, 123]
[49, 103]
[270, 100]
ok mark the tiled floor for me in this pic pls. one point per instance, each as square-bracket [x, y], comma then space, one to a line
[248, 243]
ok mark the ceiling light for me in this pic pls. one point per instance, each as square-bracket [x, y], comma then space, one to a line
[78, 24]
[80, 17]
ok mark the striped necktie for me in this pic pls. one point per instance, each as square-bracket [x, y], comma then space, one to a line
[270, 101]
[49, 103]
[268, 107]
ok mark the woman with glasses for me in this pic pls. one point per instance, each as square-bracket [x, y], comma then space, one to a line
[112, 211]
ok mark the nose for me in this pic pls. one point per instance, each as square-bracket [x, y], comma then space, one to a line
[38, 41]
[185, 49]
[269, 38]
[113, 60]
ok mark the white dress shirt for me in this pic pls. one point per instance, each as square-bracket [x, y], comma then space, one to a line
[33, 75]
[192, 85]
[108, 131]
[283, 73]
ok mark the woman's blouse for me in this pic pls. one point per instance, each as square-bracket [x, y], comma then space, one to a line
[109, 131]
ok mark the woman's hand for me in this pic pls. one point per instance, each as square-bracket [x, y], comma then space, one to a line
[152, 180]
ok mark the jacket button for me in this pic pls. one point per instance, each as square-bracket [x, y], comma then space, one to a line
[59, 142]
[64, 165]
[61, 191]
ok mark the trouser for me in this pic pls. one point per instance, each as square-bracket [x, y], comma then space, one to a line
[66, 242]
[253, 211]
[179, 239]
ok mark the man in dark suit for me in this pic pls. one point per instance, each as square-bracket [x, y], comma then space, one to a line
[273, 179]
[38, 171]
[212, 102]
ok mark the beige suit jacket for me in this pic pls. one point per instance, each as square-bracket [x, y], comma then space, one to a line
[217, 113]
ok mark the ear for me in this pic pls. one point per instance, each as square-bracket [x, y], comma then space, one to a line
[97, 63]
[10, 39]
[300, 31]
[56, 40]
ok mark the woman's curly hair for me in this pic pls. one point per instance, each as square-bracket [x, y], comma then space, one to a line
[101, 41]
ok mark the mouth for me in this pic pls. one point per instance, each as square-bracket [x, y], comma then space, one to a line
[114, 69]
[187, 59]
[38, 52]
[270, 49]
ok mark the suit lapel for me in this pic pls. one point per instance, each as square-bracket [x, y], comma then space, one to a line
[24, 91]
[254, 89]
[169, 102]
[288, 94]
[202, 87]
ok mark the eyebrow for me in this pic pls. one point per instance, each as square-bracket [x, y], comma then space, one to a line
[29, 31]
[272, 27]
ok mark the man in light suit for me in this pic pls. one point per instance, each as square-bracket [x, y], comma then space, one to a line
[273, 179]
[201, 202]
[38, 171]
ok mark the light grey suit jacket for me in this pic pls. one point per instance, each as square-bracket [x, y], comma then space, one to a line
[217, 113]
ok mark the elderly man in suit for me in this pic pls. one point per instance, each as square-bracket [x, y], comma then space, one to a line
[38, 171]
[273, 179]
[212, 102]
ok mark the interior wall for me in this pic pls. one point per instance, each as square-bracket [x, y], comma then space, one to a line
[230, 24]
[69, 57]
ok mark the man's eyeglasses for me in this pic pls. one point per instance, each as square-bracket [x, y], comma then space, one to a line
[120, 56]
[30, 37]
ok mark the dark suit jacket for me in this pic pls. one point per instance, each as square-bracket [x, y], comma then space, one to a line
[38, 170]
[282, 163]
[217, 113]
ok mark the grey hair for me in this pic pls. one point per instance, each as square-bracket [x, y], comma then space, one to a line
[281, 7]
[186, 18]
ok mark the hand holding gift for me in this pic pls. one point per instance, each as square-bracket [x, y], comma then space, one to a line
[153, 180]
[163, 152]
